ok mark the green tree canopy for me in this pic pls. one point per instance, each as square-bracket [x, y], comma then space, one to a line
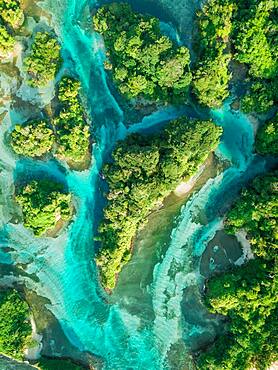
[267, 138]
[43, 204]
[256, 37]
[7, 41]
[43, 61]
[15, 327]
[256, 212]
[144, 62]
[33, 139]
[248, 297]
[211, 77]
[11, 12]
[145, 169]
[73, 132]
[262, 96]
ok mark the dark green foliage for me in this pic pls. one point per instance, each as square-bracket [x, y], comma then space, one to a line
[71, 128]
[44, 60]
[15, 327]
[33, 139]
[256, 37]
[143, 61]
[71, 132]
[248, 297]
[43, 204]
[144, 171]
[267, 138]
[262, 95]
[7, 42]
[51, 364]
[256, 211]
[211, 81]
[211, 78]
[11, 12]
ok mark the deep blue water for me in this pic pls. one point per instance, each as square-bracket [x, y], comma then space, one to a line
[65, 266]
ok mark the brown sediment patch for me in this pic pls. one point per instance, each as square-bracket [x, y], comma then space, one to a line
[32, 9]
[82, 165]
[57, 228]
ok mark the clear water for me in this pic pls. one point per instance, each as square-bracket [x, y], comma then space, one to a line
[137, 327]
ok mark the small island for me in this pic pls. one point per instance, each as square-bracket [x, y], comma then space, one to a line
[145, 170]
[66, 136]
[43, 61]
[71, 127]
[144, 62]
[34, 139]
[45, 206]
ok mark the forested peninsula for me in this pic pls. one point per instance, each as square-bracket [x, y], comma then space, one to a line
[248, 295]
[145, 169]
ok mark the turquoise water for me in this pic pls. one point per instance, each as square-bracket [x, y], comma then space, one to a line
[124, 332]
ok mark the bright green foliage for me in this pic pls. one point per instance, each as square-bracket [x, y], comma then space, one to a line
[248, 297]
[44, 60]
[143, 61]
[256, 211]
[51, 364]
[7, 42]
[262, 96]
[32, 140]
[256, 36]
[267, 138]
[211, 78]
[215, 26]
[11, 12]
[43, 203]
[144, 171]
[15, 327]
[211, 81]
[73, 134]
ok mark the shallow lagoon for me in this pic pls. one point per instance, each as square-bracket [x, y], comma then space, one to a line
[143, 324]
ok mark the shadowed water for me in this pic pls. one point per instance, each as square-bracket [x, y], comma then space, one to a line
[138, 326]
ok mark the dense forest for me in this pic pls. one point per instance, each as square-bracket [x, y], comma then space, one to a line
[33, 139]
[11, 17]
[245, 32]
[211, 75]
[248, 295]
[144, 62]
[43, 204]
[67, 136]
[267, 138]
[72, 130]
[144, 170]
[15, 327]
[43, 61]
